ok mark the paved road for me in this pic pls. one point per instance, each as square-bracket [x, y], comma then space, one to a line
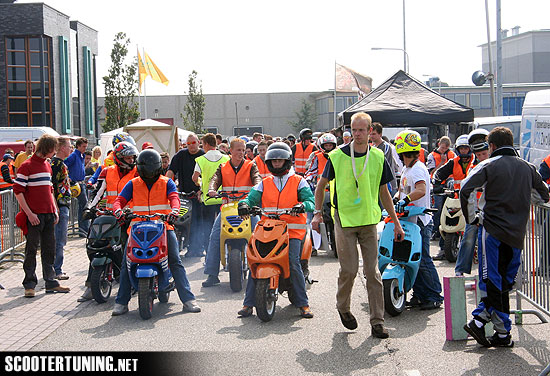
[225, 344]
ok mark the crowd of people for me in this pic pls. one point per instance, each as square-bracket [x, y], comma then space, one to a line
[364, 170]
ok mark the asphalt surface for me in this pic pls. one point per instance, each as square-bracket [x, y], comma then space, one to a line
[220, 343]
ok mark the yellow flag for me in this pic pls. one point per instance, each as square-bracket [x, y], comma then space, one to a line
[154, 72]
[142, 72]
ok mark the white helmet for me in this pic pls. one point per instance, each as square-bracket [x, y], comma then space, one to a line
[463, 141]
[478, 139]
[327, 138]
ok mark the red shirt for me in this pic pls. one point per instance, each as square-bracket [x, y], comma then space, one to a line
[34, 180]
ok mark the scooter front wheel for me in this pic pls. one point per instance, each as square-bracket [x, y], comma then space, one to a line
[235, 268]
[394, 301]
[265, 300]
[452, 245]
[145, 298]
[100, 284]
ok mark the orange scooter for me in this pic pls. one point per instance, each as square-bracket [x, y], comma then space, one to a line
[268, 260]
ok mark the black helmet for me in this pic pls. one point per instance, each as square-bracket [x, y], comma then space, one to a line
[291, 137]
[149, 165]
[251, 145]
[125, 149]
[306, 134]
[278, 150]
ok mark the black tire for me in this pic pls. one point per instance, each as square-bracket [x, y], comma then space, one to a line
[451, 246]
[394, 302]
[101, 287]
[332, 239]
[145, 298]
[265, 303]
[164, 296]
[235, 268]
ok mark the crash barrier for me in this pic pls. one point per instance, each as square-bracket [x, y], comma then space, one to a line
[533, 281]
[11, 236]
[456, 309]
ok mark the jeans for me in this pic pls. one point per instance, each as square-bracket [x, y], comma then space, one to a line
[466, 251]
[209, 213]
[83, 224]
[427, 287]
[175, 265]
[196, 243]
[213, 256]
[60, 238]
[42, 233]
[296, 278]
[438, 202]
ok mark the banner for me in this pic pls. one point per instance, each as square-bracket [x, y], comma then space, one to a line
[349, 80]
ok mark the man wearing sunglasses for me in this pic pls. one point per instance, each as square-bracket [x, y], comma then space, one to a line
[183, 165]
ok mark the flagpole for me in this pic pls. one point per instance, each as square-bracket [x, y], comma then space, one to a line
[139, 84]
[145, 88]
[334, 105]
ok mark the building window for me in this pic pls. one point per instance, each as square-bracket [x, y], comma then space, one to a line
[460, 99]
[64, 84]
[88, 97]
[475, 101]
[485, 101]
[450, 96]
[28, 81]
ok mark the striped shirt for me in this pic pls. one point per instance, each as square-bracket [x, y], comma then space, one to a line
[34, 180]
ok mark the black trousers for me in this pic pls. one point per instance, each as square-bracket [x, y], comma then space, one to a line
[43, 233]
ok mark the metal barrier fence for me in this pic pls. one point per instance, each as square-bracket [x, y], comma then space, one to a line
[533, 283]
[11, 236]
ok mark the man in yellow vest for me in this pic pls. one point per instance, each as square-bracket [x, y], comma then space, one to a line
[360, 175]
[283, 190]
[205, 167]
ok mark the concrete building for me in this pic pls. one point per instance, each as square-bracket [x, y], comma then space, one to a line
[47, 70]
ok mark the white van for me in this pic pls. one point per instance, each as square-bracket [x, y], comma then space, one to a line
[16, 134]
[535, 127]
[511, 122]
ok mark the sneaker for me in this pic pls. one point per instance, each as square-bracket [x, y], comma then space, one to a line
[305, 312]
[348, 320]
[62, 276]
[61, 289]
[413, 303]
[29, 293]
[119, 309]
[212, 280]
[86, 296]
[246, 311]
[440, 256]
[459, 274]
[191, 306]
[379, 331]
[429, 305]
[313, 252]
[477, 333]
[497, 341]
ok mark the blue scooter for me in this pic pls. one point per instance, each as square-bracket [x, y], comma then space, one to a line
[399, 261]
[147, 262]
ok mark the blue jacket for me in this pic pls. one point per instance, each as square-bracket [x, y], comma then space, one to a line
[75, 164]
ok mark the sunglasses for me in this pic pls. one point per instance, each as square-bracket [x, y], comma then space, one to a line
[192, 143]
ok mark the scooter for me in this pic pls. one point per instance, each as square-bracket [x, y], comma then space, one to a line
[182, 226]
[104, 248]
[269, 264]
[147, 262]
[452, 224]
[399, 261]
[234, 235]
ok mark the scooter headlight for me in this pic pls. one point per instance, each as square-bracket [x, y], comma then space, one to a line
[453, 211]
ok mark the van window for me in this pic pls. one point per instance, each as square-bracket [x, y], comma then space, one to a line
[514, 126]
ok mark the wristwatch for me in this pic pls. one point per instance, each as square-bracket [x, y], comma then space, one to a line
[317, 211]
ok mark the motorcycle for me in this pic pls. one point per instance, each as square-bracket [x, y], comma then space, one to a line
[104, 249]
[147, 261]
[234, 235]
[269, 264]
[398, 262]
[182, 226]
[452, 224]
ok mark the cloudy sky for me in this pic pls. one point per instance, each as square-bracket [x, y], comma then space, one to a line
[244, 46]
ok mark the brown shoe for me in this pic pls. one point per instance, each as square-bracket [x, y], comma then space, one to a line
[348, 320]
[29, 293]
[379, 331]
[305, 312]
[245, 311]
[62, 289]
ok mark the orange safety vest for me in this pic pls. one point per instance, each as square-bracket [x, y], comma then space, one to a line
[321, 162]
[239, 181]
[262, 167]
[458, 173]
[3, 183]
[301, 156]
[150, 201]
[437, 159]
[547, 161]
[115, 184]
[109, 160]
[273, 200]
[13, 175]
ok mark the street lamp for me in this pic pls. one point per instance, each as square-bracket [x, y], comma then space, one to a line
[406, 67]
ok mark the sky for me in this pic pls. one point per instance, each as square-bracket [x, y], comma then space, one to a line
[244, 46]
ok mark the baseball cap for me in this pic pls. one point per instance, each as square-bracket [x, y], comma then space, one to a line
[347, 134]
[147, 145]
[7, 156]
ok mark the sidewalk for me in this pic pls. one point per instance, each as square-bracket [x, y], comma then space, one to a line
[27, 321]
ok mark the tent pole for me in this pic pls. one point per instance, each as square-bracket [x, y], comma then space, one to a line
[334, 104]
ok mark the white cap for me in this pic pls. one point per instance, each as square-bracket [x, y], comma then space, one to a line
[347, 134]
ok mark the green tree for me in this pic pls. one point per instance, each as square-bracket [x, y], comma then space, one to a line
[193, 116]
[121, 85]
[307, 118]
